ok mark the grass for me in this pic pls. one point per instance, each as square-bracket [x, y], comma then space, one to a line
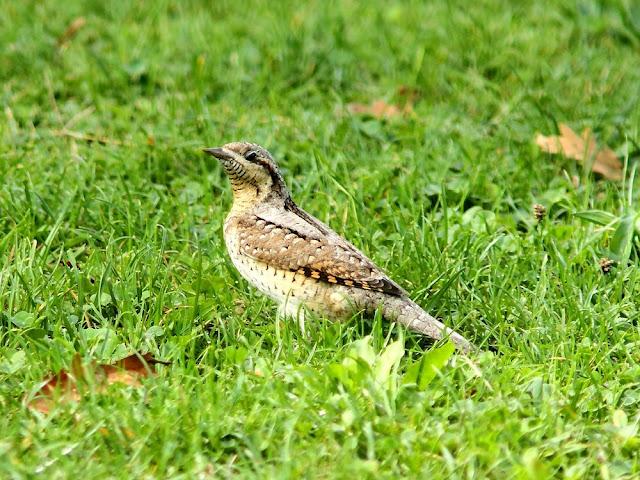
[101, 167]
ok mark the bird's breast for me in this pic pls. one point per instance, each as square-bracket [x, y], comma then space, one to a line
[288, 288]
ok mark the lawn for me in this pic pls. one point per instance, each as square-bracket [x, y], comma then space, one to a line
[111, 238]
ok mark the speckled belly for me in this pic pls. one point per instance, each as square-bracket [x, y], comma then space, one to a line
[291, 290]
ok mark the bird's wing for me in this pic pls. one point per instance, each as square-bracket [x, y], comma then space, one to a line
[294, 240]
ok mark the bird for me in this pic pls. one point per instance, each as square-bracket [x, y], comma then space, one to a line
[297, 260]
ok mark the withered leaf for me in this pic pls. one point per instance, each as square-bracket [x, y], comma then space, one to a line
[584, 149]
[70, 386]
[379, 109]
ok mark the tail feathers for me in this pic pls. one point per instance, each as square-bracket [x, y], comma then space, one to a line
[410, 314]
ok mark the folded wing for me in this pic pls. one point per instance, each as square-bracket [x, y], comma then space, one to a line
[297, 242]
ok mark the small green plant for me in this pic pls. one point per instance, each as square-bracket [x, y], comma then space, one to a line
[374, 375]
[625, 224]
[378, 375]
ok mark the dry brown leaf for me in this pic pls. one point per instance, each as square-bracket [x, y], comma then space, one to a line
[379, 109]
[69, 386]
[71, 30]
[584, 149]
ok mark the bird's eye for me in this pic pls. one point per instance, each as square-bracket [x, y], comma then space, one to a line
[251, 156]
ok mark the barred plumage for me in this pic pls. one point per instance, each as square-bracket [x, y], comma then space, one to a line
[299, 261]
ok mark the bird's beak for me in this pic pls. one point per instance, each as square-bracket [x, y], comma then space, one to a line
[219, 153]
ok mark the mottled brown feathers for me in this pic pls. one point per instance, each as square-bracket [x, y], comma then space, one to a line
[297, 260]
[319, 257]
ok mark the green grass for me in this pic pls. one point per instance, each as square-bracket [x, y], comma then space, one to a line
[440, 198]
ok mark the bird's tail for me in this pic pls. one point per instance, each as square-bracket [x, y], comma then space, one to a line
[403, 310]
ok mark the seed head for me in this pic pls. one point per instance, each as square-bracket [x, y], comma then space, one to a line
[606, 264]
[539, 211]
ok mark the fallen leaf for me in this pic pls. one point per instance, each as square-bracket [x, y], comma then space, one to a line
[379, 109]
[71, 30]
[69, 386]
[584, 149]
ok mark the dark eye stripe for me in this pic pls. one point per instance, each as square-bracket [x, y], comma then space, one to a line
[254, 157]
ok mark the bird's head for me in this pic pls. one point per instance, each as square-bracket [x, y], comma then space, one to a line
[253, 173]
